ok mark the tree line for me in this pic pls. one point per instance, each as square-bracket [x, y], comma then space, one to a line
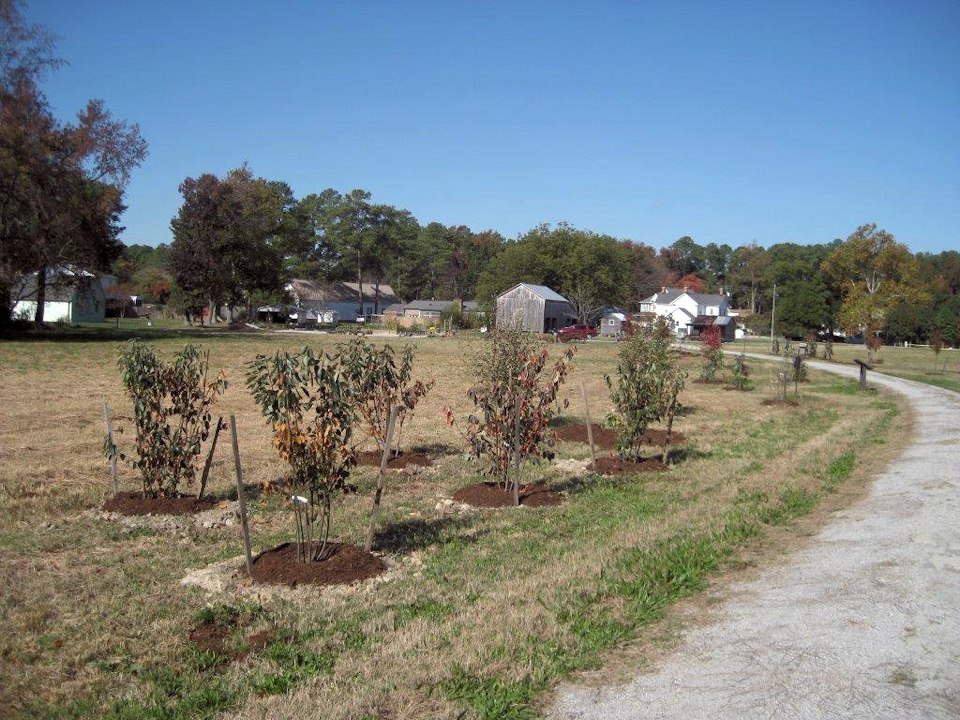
[238, 239]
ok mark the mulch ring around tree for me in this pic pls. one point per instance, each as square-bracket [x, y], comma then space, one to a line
[134, 503]
[403, 460]
[780, 403]
[606, 439]
[490, 495]
[345, 564]
[616, 466]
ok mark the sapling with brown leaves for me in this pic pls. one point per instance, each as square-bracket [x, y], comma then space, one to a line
[171, 414]
[711, 353]
[514, 400]
[308, 401]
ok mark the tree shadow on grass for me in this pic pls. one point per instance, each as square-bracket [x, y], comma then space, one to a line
[434, 450]
[408, 536]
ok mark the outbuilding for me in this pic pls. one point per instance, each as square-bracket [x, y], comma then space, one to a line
[71, 295]
[534, 308]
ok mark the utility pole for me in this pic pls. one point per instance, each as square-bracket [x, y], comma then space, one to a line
[773, 315]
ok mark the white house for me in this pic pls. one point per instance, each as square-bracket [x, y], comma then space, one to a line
[71, 295]
[685, 310]
[342, 298]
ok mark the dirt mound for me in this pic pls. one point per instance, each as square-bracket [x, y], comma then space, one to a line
[606, 439]
[403, 460]
[345, 564]
[490, 495]
[133, 503]
[616, 466]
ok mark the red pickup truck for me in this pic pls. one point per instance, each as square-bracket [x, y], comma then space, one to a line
[580, 331]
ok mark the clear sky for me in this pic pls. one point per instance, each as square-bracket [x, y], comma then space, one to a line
[731, 122]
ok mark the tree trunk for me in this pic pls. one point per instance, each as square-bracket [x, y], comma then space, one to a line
[41, 294]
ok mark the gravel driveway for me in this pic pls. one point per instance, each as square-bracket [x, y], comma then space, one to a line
[863, 622]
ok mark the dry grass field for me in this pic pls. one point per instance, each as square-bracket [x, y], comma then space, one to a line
[481, 611]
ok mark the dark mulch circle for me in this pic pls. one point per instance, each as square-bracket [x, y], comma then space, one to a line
[606, 439]
[211, 637]
[616, 466]
[214, 637]
[404, 459]
[344, 565]
[133, 503]
[489, 495]
[780, 403]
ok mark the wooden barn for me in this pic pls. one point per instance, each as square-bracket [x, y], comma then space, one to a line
[535, 308]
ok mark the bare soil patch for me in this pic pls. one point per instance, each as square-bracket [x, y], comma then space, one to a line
[606, 439]
[616, 466]
[346, 564]
[490, 495]
[372, 458]
[134, 503]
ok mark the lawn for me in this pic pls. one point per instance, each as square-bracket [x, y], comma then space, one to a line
[481, 611]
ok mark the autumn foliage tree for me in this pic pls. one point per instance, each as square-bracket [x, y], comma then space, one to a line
[873, 273]
[61, 185]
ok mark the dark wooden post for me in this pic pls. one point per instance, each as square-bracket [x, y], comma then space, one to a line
[863, 373]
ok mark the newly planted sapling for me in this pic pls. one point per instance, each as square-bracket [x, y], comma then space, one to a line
[513, 405]
[647, 389]
[711, 353]
[381, 383]
[308, 401]
[171, 414]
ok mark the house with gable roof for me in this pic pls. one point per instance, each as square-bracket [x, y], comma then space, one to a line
[688, 313]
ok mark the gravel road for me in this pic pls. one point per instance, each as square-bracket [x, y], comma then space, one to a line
[863, 622]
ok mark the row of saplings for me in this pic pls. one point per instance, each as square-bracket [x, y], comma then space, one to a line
[313, 402]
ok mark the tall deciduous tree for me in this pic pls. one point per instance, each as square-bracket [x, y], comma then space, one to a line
[873, 273]
[224, 239]
[578, 263]
[61, 186]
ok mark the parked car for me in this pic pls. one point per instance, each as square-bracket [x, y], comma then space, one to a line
[580, 331]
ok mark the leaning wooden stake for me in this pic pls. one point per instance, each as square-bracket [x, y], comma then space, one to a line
[209, 462]
[240, 496]
[380, 479]
[586, 410]
[113, 450]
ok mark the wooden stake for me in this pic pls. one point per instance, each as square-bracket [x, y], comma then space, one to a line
[113, 450]
[586, 409]
[380, 479]
[209, 462]
[240, 496]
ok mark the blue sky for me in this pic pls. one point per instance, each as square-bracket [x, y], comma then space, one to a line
[729, 122]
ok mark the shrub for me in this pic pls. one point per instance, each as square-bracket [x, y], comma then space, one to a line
[309, 403]
[648, 385]
[741, 372]
[513, 404]
[712, 353]
[171, 414]
[380, 383]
